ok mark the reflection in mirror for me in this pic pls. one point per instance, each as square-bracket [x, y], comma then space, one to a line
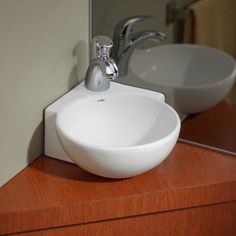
[196, 76]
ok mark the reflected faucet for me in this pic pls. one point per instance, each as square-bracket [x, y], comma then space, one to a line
[102, 68]
[125, 41]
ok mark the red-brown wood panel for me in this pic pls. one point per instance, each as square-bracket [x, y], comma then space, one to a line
[51, 193]
[217, 220]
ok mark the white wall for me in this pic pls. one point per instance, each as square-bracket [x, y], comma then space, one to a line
[37, 38]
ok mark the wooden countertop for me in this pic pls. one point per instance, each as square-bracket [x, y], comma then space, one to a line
[51, 193]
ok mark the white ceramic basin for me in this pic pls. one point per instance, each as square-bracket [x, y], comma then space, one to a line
[193, 78]
[118, 133]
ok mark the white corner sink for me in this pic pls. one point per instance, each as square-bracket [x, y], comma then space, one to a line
[193, 77]
[118, 133]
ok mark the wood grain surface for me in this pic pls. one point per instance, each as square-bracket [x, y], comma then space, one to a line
[215, 220]
[51, 193]
[215, 127]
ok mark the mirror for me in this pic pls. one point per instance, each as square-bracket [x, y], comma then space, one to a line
[184, 22]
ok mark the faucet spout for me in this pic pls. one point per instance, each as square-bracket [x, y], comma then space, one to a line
[102, 68]
[144, 35]
[100, 73]
[138, 38]
[125, 41]
[108, 67]
[111, 69]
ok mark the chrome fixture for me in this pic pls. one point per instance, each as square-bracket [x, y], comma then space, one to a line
[102, 68]
[125, 41]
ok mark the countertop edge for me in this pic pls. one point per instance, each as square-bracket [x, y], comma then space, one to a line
[114, 208]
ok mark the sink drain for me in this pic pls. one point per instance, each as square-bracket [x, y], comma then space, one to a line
[101, 100]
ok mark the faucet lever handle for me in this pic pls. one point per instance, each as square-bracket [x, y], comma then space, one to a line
[124, 27]
[101, 47]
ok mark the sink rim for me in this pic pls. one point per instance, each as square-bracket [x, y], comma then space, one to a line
[231, 75]
[59, 128]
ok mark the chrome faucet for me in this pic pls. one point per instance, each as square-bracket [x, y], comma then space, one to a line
[125, 41]
[102, 68]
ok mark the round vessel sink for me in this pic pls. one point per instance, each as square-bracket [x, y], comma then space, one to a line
[118, 135]
[193, 77]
